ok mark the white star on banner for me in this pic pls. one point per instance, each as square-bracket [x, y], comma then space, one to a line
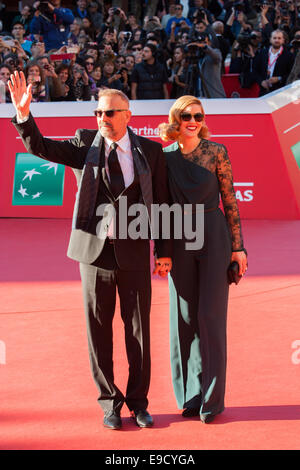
[51, 165]
[30, 173]
[35, 196]
[23, 191]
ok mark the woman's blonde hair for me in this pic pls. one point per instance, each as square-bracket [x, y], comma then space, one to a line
[170, 131]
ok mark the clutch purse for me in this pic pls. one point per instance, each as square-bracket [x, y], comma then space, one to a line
[233, 273]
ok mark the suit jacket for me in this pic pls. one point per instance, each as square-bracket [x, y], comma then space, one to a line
[82, 153]
[282, 68]
[211, 71]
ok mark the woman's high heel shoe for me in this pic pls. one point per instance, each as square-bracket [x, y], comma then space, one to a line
[190, 412]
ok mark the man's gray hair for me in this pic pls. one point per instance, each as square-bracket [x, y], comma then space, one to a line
[112, 91]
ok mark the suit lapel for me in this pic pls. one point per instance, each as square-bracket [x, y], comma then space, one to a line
[143, 170]
[89, 184]
[94, 169]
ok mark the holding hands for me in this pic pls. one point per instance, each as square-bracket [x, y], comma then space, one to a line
[162, 266]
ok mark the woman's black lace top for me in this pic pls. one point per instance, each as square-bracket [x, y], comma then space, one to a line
[214, 157]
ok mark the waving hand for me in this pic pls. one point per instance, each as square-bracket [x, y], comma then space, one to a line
[20, 94]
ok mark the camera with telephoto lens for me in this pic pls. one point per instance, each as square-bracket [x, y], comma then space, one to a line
[193, 49]
[253, 36]
[244, 40]
[43, 8]
[295, 43]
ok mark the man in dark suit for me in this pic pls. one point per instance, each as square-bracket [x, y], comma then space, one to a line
[110, 164]
[273, 65]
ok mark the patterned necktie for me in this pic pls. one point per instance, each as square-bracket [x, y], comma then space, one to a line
[116, 176]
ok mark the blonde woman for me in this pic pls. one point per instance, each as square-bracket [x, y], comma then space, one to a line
[199, 170]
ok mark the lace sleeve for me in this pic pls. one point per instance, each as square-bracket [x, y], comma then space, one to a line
[224, 175]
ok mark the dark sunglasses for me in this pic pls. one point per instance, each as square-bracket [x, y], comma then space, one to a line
[109, 113]
[188, 116]
[136, 48]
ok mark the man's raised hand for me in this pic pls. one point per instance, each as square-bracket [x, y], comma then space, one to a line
[20, 94]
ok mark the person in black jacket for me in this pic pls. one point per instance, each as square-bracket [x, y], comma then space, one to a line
[149, 78]
[273, 65]
[243, 54]
[110, 162]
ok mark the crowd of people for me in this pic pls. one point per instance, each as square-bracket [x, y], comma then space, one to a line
[153, 50]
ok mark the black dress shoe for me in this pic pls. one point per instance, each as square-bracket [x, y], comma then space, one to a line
[190, 412]
[112, 420]
[142, 418]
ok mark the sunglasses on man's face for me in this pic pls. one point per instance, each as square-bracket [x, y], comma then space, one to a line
[188, 116]
[109, 113]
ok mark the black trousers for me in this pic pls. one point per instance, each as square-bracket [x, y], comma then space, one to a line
[100, 285]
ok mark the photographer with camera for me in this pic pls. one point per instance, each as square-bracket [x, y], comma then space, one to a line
[204, 69]
[152, 26]
[79, 83]
[53, 85]
[123, 41]
[244, 50]
[294, 48]
[52, 22]
[294, 45]
[117, 18]
[198, 11]
[273, 65]
[237, 21]
[202, 25]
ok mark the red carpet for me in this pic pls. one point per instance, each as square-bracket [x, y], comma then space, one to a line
[48, 398]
